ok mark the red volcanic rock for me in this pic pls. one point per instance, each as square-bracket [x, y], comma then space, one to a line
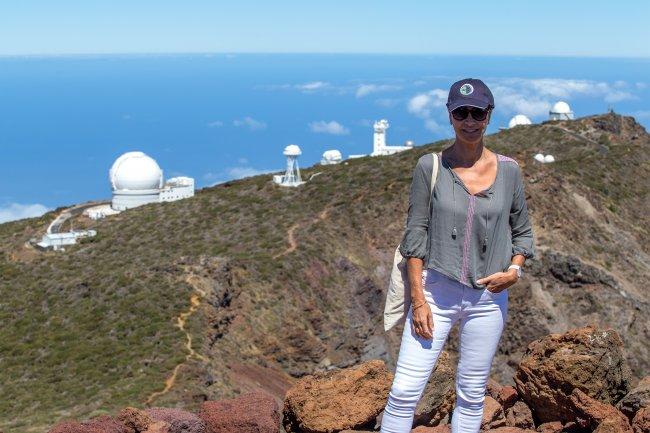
[101, 424]
[437, 429]
[493, 388]
[507, 397]
[636, 399]
[135, 420]
[493, 416]
[604, 417]
[439, 395]
[180, 421]
[255, 412]
[508, 430]
[641, 421]
[588, 358]
[336, 400]
[520, 415]
[550, 427]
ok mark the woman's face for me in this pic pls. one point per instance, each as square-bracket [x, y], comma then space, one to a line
[470, 130]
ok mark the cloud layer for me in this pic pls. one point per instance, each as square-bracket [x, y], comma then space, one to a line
[250, 123]
[17, 211]
[333, 127]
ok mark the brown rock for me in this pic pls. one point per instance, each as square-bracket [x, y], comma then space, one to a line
[493, 388]
[493, 416]
[508, 430]
[135, 420]
[255, 412]
[588, 358]
[520, 415]
[158, 427]
[101, 424]
[439, 395]
[641, 421]
[550, 427]
[180, 421]
[350, 398]
[437, 429]
[507, 396]
[636, 399]
[596, 414]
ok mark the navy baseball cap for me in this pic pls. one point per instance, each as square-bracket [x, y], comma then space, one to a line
[470, 91]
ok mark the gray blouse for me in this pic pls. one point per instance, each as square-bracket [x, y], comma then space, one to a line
[470, 236]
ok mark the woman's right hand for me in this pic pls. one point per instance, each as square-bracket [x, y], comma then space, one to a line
[422, 322]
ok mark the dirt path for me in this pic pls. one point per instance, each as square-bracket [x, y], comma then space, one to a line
[195, 303]
[291, 238]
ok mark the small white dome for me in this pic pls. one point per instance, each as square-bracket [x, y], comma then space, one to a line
[409, 143]
[519, 119]
[539, 157]
[549, 158]
[292, 150]
[135, 171]
[561, 107]
[332, 155]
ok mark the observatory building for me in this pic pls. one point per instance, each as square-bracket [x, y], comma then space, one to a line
[331, 157]
[291, 177]
[379, 146]
[560, 111]
[519, 119]
[137, 179]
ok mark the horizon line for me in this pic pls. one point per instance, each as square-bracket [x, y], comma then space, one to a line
[324, 53]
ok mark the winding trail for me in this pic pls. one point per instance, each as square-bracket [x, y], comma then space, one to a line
[291, 238]
[195, 303]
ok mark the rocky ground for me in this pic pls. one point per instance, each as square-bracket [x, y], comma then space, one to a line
[574, 382]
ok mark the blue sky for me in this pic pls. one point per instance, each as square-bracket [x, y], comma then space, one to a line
[564, 28]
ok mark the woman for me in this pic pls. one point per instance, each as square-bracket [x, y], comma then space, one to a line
[464, 248]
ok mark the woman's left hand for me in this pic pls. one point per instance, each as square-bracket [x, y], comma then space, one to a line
[499, 281]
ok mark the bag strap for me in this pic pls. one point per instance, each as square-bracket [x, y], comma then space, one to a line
[434, 175]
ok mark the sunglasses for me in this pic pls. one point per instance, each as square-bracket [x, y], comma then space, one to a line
[478, 114]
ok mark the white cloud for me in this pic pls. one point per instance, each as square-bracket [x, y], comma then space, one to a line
[333, 127]
[215, 124]
[367, 89]
[387, 102]
[16, 211]
[422, 103]
[312, 86]
[534, 97]
[250, 123]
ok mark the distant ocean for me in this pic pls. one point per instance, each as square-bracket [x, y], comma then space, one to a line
[64, 120]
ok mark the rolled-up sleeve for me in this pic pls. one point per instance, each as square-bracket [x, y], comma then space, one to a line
[522, 232]
[414, 242]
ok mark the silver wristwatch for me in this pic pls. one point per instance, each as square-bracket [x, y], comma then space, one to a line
[518, 268]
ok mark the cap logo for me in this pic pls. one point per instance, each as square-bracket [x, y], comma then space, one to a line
[466, 89]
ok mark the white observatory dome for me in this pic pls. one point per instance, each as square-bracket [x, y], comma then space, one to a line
[561, 107]
[331, 157]
[539, 157]
[409, 143]
[519, 119]
[292, 150]
[135, 171]
[549, 158]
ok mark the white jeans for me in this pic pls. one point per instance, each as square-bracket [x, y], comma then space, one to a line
[482, 316]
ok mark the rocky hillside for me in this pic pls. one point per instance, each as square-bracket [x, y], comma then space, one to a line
[250, 286]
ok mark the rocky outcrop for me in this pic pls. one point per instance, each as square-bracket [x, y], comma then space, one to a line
[179, 421]
[637, 399]
[337, 400]
[588, 358]
[641, 421]
[255, 412]
[590, 413]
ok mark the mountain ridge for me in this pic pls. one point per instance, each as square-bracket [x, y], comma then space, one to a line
[95, 328]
